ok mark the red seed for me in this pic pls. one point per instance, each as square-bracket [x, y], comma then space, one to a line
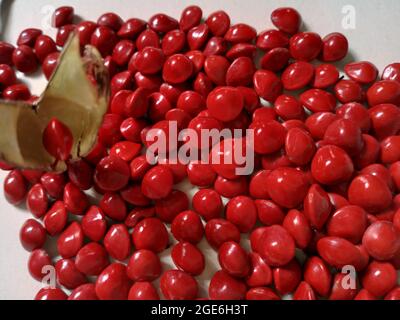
[62, 16]
[32, 235]
[58, 139]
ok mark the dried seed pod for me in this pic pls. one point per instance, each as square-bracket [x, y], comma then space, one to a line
[77, 95]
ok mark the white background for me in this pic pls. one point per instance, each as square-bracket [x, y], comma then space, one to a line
[375, 38]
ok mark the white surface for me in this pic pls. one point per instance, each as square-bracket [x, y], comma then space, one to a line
[375, 38]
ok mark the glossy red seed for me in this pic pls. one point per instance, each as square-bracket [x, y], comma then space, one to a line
[197, 36]
[348, 91]
[385, 91]
[75, 200]
[144, 265]
[225, 287]
[55, 219]
[58, 139]
[326, 75]
[340, 291]
[62, 16]
[94, 224]
[370, 193]
[190, 17]
[334, 48]
[28, 37]
[304, 292]
[257, 187]
[178, 285]
[15, 187]
[157, 182]
[143, 291]
[25, 59]
[16, 92]
[242, 212]
[37, 201]
[177, 69]
[317, 100]
[240, 72]
[149, 60]
[111, 173]
[70, 240]
[287, 186]
[331, 165]
[7, 76]
[363, 71]
[6, 51]
[218, 22]
[53, 183]
[123, 52]
[216, 68]
[187, 226]
[39, 261]
[110, 20]
[68, 275]
[91, 259]
[271, 39]
[219, 231]
[241, 50]
[117, 242]
[267, 85]
[318, 275]
[275, 59]
[348, 222]
[104, 39]
[299, 146]
[225, 103]
[234, 259]
[131, 28]
[151, 234]
[261, 293]
[207, 203]
[188, 258]
[296, 223]
[85, 31]
[84, 292]
[392, 72]
[379, 278]
[173, 42]
[390, 149]
[287, 278]
[50, 63]
[215, 46]
[268, 212]
[260, 273]
[162, 23]
[382, 240]
[51, 294]
[269, 136]
[276, 246]
[44, 45]
[231, 188]
[81, 174]
[385, 120]
[240, 32]
[338, 252]
[297, 75]
[286, 19]
[305, 46]
[113, 283]
[32, 235]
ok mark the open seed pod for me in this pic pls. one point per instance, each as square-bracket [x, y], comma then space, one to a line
[77, 95]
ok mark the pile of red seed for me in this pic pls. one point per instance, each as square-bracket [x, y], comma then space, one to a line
[325, 183]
